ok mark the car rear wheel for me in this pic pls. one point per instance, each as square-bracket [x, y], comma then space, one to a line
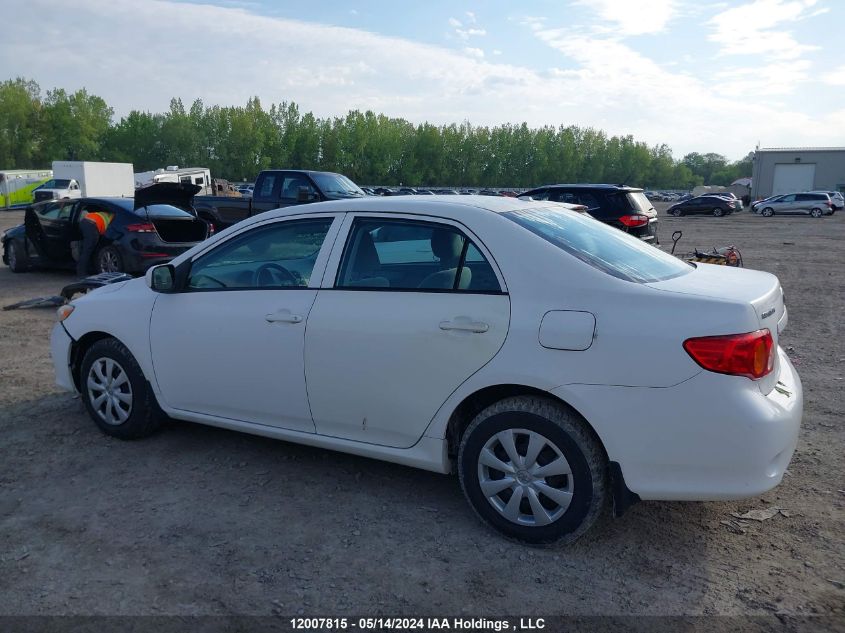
[109, 260]
[816, 213]
[677, 213]
[532, 470]
[768, 212]
[116, 394]
[717, 212]
[16, 257]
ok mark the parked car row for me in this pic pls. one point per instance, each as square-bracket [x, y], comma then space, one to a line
[813, 203]
[419, 191]
[666, 196]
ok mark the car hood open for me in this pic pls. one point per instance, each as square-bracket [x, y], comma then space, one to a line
[173, 193]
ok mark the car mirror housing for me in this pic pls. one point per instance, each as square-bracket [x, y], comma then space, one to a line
[161, 278]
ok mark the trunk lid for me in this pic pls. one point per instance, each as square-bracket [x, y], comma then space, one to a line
[761, 290]
[173, 193]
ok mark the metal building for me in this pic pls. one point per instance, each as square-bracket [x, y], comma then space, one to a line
[786, 169]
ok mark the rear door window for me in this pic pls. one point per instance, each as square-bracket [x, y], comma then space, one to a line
[406, 255]
[268, 184]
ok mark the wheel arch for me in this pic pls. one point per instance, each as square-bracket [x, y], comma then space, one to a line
[78, 350]
[473, 404]
[463, 414]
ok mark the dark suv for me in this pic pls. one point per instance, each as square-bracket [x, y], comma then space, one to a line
[623, 207]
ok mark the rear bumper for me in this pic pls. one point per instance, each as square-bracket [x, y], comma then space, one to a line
[60, 347]
[711, 437]
[141, 253]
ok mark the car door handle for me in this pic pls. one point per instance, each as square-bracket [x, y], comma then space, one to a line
[464, 325]
[283, 317]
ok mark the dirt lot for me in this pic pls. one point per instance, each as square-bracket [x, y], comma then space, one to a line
[203, 521]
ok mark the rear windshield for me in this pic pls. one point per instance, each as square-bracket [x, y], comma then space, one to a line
[599, 245]
[640, 202]
[162, 211]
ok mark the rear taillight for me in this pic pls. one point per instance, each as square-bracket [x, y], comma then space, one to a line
[750, 355]
[632, 221]
[141, 227]
[210, 228]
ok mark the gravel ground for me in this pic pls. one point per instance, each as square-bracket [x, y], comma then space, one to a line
[197, 520]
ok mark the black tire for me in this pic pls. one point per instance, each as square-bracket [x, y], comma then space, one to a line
[816, 213]
[16, 257]
[718, 213]
[144, 416]
[767, 212]
[109, 260]
[677, 213]
[566, 432]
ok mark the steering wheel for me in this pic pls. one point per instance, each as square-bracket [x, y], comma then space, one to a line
[276, 271]
[198, 280]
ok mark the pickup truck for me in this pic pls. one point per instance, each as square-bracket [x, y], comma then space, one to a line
[275, 188]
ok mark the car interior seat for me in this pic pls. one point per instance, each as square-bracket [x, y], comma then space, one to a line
[366, 265]
[447, 247]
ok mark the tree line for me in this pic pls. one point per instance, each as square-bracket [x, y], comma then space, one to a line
[238, 142]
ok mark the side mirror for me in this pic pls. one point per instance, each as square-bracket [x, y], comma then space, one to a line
[161, 278]
[305, 194]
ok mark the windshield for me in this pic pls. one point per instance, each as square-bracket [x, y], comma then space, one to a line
[337, 184]
[55, 184]
[601, 246]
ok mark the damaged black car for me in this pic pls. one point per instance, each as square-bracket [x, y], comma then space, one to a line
[152, 228]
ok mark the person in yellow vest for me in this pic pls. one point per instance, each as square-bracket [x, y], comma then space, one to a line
[92, 224]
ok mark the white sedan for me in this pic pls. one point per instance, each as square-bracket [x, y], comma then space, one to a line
[555, 363]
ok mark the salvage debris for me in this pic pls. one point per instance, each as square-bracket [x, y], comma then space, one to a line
[762, 515]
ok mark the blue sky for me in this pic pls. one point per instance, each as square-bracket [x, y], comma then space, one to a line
[697, 75]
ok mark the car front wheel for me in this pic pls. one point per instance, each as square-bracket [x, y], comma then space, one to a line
[768, 212]
[676, 212]
[115, 392]
[532, 470]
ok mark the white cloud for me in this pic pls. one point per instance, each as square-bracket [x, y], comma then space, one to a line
[632, 17]
[454, 22]
[836, 77]
[474, 52]
[535, 23]
[353, 11]
[465, 34]
[749, 29]
[779, 78]
[470, 17]
[496, 51]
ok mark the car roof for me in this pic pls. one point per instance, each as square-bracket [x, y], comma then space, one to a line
[435, 206]
[606, 186]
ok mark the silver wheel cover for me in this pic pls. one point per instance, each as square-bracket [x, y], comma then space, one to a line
[525, 477]
[109, 391]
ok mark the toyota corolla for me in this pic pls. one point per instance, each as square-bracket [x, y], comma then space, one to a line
[555, 364]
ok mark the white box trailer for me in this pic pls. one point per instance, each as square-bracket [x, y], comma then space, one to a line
[85, 179]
